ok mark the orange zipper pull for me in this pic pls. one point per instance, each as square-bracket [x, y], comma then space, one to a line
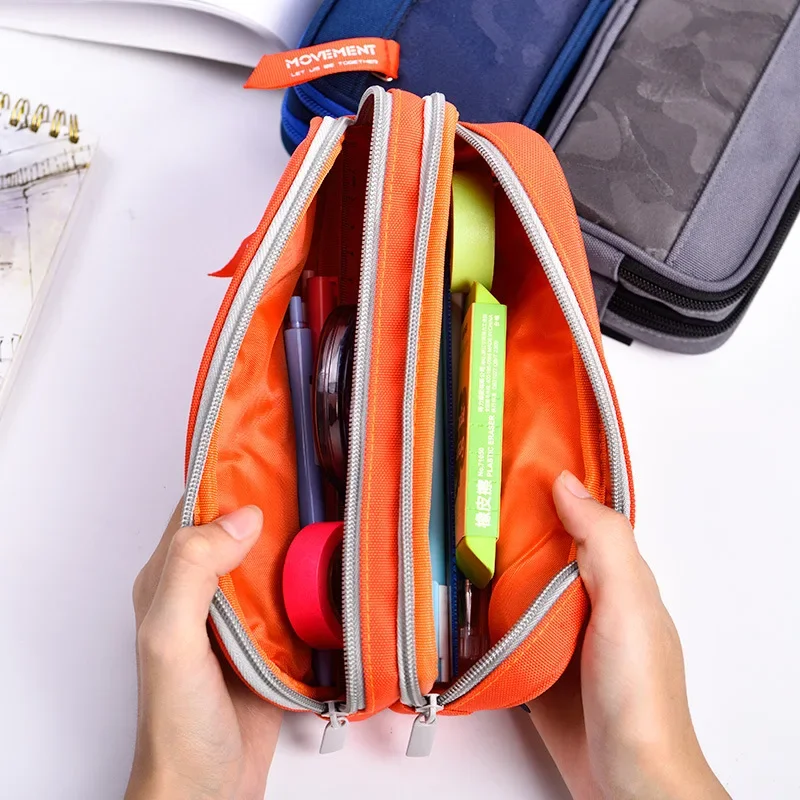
[362, 54]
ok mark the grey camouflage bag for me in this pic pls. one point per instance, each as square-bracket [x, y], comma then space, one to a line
[680, 140]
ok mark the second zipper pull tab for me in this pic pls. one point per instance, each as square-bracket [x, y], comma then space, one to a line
[335, 733]
[423, 732]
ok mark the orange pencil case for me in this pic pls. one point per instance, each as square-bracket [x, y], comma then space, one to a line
[374, 191]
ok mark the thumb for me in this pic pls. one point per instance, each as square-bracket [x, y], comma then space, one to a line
[196, 558]
[608, 557]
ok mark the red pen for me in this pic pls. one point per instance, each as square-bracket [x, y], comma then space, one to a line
[322, 296]
[302, 284]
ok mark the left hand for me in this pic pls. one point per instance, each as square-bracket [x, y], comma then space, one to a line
[201, 732]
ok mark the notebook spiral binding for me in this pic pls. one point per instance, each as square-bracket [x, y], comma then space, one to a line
[21, 117]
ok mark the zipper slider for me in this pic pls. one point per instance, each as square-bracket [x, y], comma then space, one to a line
[423, 732]
[335, 732]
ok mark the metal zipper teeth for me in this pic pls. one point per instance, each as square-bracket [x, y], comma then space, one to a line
[524, 626]
[620, 489]
[242, 650]
[351, 601]
[743, 292]
[667, 295]
[434, 117]
[250, 664]
[627, 305]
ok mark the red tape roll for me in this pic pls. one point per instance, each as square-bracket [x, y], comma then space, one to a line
[307, 580]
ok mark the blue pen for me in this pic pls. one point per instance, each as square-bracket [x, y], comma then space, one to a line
[438, 535]
[310, 495]
[450, 358]
[300, 363]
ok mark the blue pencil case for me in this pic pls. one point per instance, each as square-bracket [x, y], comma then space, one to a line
[496, 61]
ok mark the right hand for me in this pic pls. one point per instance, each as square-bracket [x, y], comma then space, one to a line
[617, 723]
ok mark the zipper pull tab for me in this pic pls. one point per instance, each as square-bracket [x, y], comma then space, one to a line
[423, 732]
[335, 732]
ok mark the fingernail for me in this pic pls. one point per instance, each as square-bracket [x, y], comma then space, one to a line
[573, 485]
[242, 523]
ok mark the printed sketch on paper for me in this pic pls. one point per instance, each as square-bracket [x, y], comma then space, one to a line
[40, 178]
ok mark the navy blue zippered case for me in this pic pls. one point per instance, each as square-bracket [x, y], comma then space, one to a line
[496, 60]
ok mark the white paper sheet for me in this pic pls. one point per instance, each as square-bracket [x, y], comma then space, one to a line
[232, 31]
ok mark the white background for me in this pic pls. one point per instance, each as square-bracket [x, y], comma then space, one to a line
[91, 451]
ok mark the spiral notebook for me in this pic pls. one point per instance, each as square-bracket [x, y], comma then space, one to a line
[43, 161]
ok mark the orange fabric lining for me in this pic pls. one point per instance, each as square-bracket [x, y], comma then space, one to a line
[336, 244]
[537, 167]
[245, 255]
[541, 417]
[551, 422]
[254, 462]
[326, 241]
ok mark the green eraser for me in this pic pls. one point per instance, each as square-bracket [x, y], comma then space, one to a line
[479, 453]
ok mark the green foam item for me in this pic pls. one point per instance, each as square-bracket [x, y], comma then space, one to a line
[472, 231]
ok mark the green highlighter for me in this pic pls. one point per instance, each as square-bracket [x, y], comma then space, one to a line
[479, 449]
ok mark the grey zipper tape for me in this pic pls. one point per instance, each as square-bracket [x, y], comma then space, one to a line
[236, 639]
[434, 117]
[423, 730]
[519, 632]
[351, 558]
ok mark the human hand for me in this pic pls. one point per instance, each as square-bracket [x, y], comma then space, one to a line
[201, 732]
[617, 723]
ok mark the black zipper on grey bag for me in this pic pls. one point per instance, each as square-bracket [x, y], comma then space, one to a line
[652, 314]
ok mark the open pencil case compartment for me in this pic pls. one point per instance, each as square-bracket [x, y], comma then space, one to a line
[680, 139]
[386, 175]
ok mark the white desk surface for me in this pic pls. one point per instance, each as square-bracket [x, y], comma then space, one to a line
[91, 450]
